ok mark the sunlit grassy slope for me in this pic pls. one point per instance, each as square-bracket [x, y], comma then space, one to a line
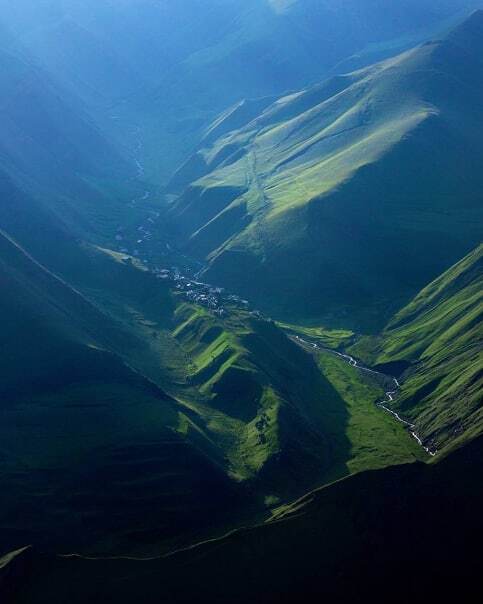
[369, 180]
[168, 68]
[436, 341]
[273, 409]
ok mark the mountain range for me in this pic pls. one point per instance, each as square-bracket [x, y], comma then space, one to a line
[241, 300]
[149, 65]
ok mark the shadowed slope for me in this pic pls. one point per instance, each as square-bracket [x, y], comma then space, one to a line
[353, 540]
[50, 147]
[90, 455]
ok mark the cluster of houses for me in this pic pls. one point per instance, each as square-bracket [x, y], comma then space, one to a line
[209, 296]
[213, 298]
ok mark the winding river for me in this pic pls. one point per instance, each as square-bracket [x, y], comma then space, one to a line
[390, 394]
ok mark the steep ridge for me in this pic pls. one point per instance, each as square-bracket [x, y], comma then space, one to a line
[361, 178]
[92, 453]
[435, 346]
[349, 541]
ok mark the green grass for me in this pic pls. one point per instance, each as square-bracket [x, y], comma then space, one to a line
[377, 440]
[329, 338]
[437, 339]
[249, 397]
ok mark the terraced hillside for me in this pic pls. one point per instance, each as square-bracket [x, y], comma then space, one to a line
[369, 180]
[436, 345]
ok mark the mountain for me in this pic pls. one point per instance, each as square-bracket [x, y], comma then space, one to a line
[185, 445]
[148, 66]
[435, 345]
[118, 395]
[113, 383]
[369, 180]
[356, 539]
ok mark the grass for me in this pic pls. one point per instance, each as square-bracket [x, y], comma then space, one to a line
[377, 440]
[248, 398]
[437, 340]
[329, 338]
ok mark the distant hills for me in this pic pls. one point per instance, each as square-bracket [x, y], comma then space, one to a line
[368, 180]
[51, 149]
[169, 67]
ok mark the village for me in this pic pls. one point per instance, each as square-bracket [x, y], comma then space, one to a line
[146, 250]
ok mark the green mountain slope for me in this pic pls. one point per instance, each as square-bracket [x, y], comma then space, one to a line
[274, 410]
[436, 343]
[106, 369]
[370, 180]
[135, 421]
[399, 532]
[153, 64]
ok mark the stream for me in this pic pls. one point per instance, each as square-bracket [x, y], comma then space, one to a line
[211, 297]
[390, 394]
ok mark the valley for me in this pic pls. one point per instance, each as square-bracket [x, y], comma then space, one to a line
[241, 300]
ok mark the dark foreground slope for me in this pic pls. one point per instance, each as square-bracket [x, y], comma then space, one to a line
[408, 534]
[371, 181]
[435, 345]
[90, 456]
